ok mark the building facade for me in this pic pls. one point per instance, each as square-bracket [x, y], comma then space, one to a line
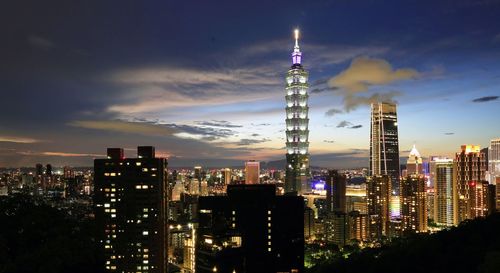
[130, 210]
[443, 176]
[378, 196]
[413, 204]
[470, 168]
[250, 230]
[297, 124]
[494, 161]
[335, 187]
[384, 143]
[252, 172]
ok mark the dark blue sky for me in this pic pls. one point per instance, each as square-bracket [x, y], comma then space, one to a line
[204, 79]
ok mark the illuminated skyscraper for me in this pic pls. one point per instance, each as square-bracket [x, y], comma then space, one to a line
[227, 176]
[378, 196]
[252, 172]
[130, 210]
[413, 204]
[494, 160]
[470, 169]
[297, 122]
[384, 145]
[414, 163]
[443, 178]
[335, 192]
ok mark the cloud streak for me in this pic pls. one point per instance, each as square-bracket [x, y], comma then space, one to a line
[16, 139]
[485, 99]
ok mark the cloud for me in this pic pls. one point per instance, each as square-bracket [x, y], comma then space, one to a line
[261, 124]
[125, 127]
[40, 42]
[332, 112]
[62, 154]
[485, 99]
[343, 124]
[218, 123]
[364, 72]
[347, 124]
[353, 102]
[247, 141]
[16, 139]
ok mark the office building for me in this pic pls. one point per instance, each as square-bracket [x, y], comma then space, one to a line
[335, 187]
[384, 145]
[252, 172]
[413, 204]
[470, 168]
[297, 123]
[251, 229]
[479, 199]
[226, 175]
[443, 178]
[494, 161]
[414, 162]
[378, 195]
[130, 210]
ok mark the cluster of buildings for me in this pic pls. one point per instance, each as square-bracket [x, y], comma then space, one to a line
[150, 219]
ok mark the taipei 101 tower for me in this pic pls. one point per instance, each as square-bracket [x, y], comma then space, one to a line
[297, 121]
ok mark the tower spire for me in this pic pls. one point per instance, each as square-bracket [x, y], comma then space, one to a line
[296, 54]
[296, 38]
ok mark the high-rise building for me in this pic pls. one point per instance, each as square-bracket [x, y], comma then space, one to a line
[297, 122]
[384, 144]
[494, 161]
[478, 197]
[252, 172]
[227, 176]
[470, 168]
[130, 210]
[39, 170]
[68, 172]
[378, 196]
[251, 229]
[335, 187]
[414, 162]
[48, 170]
[413, 204]
[444, 180]
[358, 226]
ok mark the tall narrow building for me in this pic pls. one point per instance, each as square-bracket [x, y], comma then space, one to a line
[384, 144]
[414, 162]
[252, 172]
[443, 178]
[297, 122]
[130, 210]
[335, 192]
[470, 170]
[378, 196]
[494, 161]
[413, 204]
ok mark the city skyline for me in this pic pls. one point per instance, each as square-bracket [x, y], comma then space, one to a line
[71, 88]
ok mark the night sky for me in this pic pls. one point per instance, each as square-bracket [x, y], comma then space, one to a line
[203, 81]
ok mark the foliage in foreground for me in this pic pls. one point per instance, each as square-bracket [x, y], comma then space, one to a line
[473, 246]
[38, 238]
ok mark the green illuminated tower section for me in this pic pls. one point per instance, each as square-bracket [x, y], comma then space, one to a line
[297, 121]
